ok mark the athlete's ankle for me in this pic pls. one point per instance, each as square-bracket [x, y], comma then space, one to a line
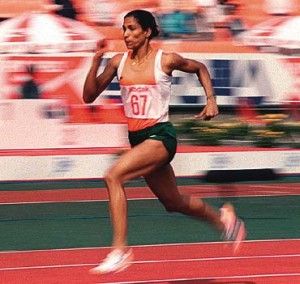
[123, 247]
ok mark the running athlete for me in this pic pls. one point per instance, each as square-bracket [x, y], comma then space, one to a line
[144, 74]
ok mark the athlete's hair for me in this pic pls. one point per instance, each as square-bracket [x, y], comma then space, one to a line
[146, 20]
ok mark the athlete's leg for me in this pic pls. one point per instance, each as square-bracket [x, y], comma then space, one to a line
[138, 161]
[162, 182]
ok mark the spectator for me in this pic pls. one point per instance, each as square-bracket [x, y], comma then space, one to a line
[67, 9]
[30, 88]
[178, 23]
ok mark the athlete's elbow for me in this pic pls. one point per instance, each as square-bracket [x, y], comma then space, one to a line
[88, 98]
[203, 69]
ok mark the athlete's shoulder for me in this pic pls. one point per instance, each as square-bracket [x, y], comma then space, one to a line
[171, 56]
[171, 60]
[116, 59]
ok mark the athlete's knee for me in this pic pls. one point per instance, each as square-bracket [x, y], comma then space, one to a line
[112, 177]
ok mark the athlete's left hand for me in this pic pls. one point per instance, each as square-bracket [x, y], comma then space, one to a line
[210, 110]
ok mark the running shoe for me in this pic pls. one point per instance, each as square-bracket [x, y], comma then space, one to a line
[116, 261]
[235, 229]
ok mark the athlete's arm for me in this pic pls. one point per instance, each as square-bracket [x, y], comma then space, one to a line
[173, 61]
[94, 85]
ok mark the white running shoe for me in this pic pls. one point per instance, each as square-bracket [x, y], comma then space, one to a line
[235, 229]
[116, 261]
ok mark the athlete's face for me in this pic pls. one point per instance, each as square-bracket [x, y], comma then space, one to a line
[134, 35]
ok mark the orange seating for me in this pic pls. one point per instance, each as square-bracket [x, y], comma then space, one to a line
[14, 8]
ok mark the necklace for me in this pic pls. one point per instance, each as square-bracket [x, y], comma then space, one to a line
[140, 62]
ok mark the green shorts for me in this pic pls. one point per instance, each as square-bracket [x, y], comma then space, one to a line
[163, 131]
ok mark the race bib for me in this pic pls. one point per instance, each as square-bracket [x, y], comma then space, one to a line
[142, 102]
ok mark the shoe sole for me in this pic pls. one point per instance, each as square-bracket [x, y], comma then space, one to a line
[240, 237]
[125, 264]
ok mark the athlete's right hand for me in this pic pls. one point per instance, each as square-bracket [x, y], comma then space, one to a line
[101, 48]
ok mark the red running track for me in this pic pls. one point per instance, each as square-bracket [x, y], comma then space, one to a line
[93, 194]
[109, 150]
[258, 262]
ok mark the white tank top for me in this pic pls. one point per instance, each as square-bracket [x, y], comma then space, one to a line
[146, 102]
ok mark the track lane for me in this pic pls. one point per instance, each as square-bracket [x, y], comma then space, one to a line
[134, 193]
[214, 261]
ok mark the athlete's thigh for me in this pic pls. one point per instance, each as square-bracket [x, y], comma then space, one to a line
[141, 160]
[162, 182]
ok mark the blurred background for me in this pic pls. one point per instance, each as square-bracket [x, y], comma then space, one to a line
[251, 49]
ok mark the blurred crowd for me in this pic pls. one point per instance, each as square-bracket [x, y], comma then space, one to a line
[192, 19]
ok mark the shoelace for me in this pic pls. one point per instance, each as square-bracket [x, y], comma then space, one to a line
[231, 228]
[113, 258]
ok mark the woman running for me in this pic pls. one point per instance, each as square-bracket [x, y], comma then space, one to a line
[144, 74]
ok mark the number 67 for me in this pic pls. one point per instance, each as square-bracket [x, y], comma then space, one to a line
[138, 104]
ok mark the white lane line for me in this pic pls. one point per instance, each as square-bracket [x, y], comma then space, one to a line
[155, 261]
